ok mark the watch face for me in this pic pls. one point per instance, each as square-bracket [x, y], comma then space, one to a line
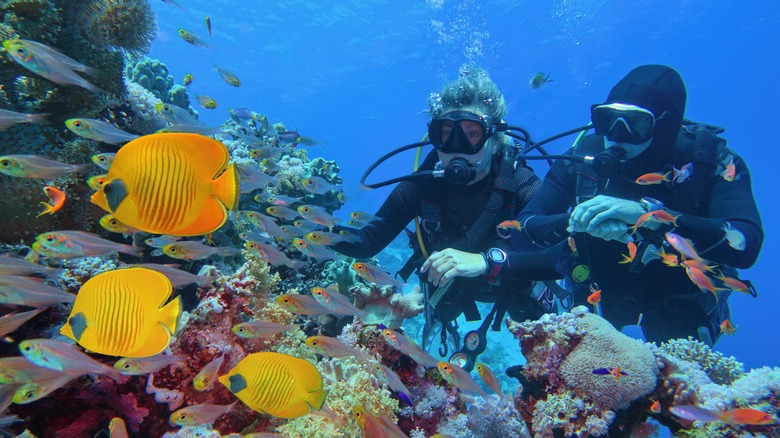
[496, 255]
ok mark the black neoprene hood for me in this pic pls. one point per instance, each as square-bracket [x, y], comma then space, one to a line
[657, 88]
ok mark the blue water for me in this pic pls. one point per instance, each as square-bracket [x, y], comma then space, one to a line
[356, 75]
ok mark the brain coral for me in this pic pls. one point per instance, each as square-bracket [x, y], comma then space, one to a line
[602, 346]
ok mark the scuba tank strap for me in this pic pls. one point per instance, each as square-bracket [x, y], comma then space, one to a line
[504, 188]
[588, 184]
[699, 144]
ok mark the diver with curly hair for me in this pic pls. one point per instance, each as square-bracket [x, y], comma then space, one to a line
[465, 213]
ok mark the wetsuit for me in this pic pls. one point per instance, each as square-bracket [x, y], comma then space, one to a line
[672, 305]
[459, 208]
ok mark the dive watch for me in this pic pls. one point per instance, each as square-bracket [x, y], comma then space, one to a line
[496, 259]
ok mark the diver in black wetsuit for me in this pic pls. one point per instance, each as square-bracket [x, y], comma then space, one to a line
[459, 212]
[644, 161]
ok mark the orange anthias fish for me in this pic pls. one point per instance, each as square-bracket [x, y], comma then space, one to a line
[660, 216]
[57, 198]
[173, 183]
[736, 416]
[653, 178]
[729, 173]
[506, 225]
[727, 327]
[736, 285]
[670, 260]
[700, 279]
[655, 407]
[631, 253]
[595, 295]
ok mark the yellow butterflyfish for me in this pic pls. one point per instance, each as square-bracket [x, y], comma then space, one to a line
[281, 385]
[179, 184]
[124, 313]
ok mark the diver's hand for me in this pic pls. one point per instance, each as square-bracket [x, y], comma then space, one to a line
[610, 229]
[442, 266]
[591, 213]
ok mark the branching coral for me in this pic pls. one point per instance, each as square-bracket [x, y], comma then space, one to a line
[721, 369]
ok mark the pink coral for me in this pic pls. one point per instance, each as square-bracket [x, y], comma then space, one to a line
[386, 305]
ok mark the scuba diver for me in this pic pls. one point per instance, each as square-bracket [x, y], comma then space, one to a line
[464, 199]
[657, 210]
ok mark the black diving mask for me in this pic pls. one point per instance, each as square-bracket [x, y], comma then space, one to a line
[623, 123]
[461, 132]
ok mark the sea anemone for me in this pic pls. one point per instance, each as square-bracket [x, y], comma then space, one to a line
[120, 24]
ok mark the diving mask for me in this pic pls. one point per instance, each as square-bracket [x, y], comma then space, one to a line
[623, 123]
[461, 132]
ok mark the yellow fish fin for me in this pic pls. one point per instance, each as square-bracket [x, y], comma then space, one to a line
[227, 187]
[298, 409]
[316, 399]
[47, 209]
[170, 314]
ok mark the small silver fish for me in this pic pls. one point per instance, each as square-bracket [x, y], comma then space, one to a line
[318, 185]
[192, 38]
[33, 166]
[11, 118]
[228, 77]
[103, 160]
[29, 291]
[99, 130]
[178, 277]
[260, 329]
[204, 413]
[139, 366]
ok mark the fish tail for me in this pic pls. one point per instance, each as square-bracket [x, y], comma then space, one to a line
[131, 250]
[170, 314]
[47, 209]
[228, 189]
[38, 118]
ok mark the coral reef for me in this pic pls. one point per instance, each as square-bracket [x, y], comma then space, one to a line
[119, 24]
[562, 351]
[385, 305]
[721, 369]
[152, 74]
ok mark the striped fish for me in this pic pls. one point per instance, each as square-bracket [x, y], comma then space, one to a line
[281, 385]
[174, 183]
[124, 313]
